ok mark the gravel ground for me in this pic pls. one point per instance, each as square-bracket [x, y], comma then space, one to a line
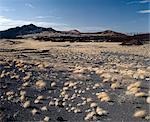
[47, 81]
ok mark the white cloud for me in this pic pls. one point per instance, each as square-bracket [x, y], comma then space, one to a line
[6, 23]
[144, 11]
[6, 9]
[140, 2]
[41, 17]
[29, 5]
[144, 1]
[132, 2]
[93, 28]
[45, 17]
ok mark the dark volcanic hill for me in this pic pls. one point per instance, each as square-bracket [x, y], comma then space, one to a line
[49, 34]
[111, 33]
[24, 30]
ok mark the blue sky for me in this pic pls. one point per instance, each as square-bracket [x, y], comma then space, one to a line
[84, 15]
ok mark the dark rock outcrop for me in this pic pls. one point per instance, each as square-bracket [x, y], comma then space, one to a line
[132, 42]
[24, 30]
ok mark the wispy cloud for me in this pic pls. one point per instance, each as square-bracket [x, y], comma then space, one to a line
[144, 11]
[6, 23]
[41, 17]
[45, 17]
[29, 5]
[132, 2]
[93, 28]
[138, 2]
[6, 9]
[145, 1]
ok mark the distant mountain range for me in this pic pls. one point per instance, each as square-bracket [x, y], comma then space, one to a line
[24, 30]
[33, 29]
[49, 34]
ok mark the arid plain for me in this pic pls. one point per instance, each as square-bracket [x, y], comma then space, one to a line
[63, 81]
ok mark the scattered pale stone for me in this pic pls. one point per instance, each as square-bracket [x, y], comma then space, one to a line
[80, 91]
[90, 115]
[40, 84]
[74, 87]
[53, 84]
[140, 94]
[63, 93]
[136, 84]
[71, 84]
[9, 93]
[98, 71]
[34, 111]
[84, 102]
[22, 98]
[14, 76]
[10, 97]
[148, 100]
[130, 73]
[105, 99]
[88, 110]
[65, 88]
[79, 104]
[77, 110]
[27, 77]
[64, 103]
[66, 83]
[41, 97]
[135, 76]
[147, 79]
[115, 85]
[147, 117]
[89, 99]
[106, 75]
[67, 108]
[141, 71]
[93, 87]
[83, 98]
[141, 76]
[2, 74]
[73, 96]
[25, 84]
[46, 64]
[36, 101]
[133, 88]
[97, 85]
[41, 66]
[66, 97]
[140, 114]
[103, 96]
[87, 88]
[83, 91]
[72, 108]
[100, 111]
[46, 118]
[106, 80]
[26, 104]
[22, 92]
[132, 91]
[44, 108]
[51, 103]
[92, 105]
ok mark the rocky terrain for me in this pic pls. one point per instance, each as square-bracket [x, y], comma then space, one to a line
[62, 81]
